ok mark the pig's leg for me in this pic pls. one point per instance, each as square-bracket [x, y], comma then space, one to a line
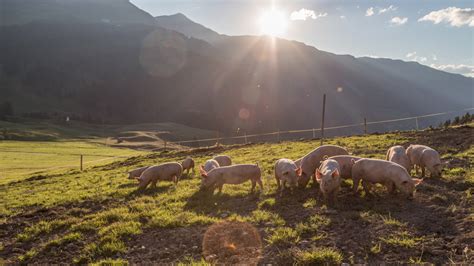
[260, 184]
[175, 180]
[153, 182]
[220, 187]
[278, 181]
[422, 171]
[253, 186]
[390, 187]
[355, 185]
[366, 185]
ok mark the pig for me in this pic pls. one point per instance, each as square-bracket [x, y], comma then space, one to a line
[390, 174]
[234, 174]
[188, 164]
[210, 164]
[329, 179]
[286, 171]
[425, 157]
[397, 154]
[134, 174]
[345, 164]
[223, 160]
[311, 161]
[166, 171]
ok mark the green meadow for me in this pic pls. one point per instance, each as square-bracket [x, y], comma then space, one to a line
[98, 216]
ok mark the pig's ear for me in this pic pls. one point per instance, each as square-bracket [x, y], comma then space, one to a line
[203, 172]
[353, 161]
[325, 157]
[417, 181]
[335, 173]
[318, 175]
[299, 171]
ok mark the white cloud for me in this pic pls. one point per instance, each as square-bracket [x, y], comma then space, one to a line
[387, 9]
[398, 21]
[304, 14]
[455, 16]
[414, 57]
[435, 58]
[369, 12]
[462, 69]
[342, 17]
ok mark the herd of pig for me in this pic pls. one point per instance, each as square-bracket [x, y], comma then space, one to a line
[326, 165]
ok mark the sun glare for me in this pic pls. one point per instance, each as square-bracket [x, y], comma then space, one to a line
[273, 22]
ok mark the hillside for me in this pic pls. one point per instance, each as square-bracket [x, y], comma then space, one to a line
[135, 73]
[14, 12]
[98, 215]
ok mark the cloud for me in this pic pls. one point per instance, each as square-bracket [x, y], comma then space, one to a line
[398, 21]
[369, 12]
[414, 57]
[342, 17]
[304, 14]
[435, 58]
[462, 69]
[387, 9]
[455, 16]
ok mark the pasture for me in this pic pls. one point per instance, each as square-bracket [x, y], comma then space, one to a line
[97, 215]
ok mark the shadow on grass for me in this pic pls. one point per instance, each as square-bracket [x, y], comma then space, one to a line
[205, 202]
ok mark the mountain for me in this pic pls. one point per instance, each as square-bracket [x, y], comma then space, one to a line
[145, 73]
[180, 23]
[15, 12]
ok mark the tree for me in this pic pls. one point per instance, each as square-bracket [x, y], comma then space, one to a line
[6, 109]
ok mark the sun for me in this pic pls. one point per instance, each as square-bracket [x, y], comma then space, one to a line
[273, 22]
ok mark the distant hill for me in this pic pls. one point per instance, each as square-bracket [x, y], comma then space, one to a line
[180, 23]
[145, 73]
[15, 12]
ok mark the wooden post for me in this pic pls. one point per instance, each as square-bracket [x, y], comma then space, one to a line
[81, 162]
[322, 120]
[365, 126]
[416, 121]
[245, 137]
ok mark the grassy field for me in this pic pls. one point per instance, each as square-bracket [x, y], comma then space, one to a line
[98, 215]
[22, 159]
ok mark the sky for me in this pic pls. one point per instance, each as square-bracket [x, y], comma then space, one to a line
[436, 33]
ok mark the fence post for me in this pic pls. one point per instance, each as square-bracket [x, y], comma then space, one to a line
[365, 126]
[81, 162]
[322, 120]
[218, 140]
[416, 122]
[245, 137]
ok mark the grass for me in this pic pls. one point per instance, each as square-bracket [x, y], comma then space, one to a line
[283, 236]
[402, 239]
[320, 256]
[389, 220]
[122, 214]
[17, 162]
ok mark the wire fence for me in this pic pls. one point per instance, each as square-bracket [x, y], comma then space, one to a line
[414, 122]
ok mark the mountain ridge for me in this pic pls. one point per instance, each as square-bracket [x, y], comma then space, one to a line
[157, 74]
